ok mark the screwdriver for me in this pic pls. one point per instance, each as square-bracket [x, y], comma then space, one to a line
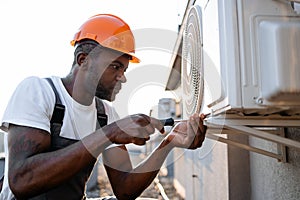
[170, 121]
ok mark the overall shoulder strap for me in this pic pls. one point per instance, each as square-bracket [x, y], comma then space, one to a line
[59, 109]
[101, 116]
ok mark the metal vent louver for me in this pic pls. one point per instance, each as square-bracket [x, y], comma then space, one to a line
[192, 63]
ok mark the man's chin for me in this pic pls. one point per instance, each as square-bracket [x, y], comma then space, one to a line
[108, 98]
[113, 97]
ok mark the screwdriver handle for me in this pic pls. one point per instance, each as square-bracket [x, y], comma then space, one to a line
[167, 122]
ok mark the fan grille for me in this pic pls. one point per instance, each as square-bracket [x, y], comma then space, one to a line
[192, 65]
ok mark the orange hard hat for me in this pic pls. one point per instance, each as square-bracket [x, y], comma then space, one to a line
[109, 31]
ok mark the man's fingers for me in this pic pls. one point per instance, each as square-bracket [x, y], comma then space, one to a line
[196, 125]
[150, 123]
[139, 141]
[195, 122]
[199, 123]
[157, 124]
[149, 128]
[142, 119]
[192, 130]
[146, 131]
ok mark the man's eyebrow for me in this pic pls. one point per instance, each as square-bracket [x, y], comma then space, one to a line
[118, 63]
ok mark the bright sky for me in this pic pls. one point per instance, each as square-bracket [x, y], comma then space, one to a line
[35, 38]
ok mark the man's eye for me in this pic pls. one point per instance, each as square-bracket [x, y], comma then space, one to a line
[116, 67]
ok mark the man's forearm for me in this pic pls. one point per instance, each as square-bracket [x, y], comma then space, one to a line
[137, 180]
[43, 171]
[155, 160]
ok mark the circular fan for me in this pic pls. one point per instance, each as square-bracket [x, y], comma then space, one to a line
[192, 63]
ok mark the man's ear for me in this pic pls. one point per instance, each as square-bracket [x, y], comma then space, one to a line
[81, 58]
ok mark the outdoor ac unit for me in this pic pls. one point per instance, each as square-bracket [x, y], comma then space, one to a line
[241, 57]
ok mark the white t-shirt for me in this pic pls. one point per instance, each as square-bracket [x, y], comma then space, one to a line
[32, 105]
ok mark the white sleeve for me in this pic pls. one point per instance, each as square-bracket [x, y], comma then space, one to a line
[31, 105]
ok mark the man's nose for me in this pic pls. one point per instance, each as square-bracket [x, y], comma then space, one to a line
[122, 78]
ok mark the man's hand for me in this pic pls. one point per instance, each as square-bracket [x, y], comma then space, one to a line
[133, 129]
[188, 134]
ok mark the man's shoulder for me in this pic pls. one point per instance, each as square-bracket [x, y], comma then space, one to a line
[33, 81]
[30, 85]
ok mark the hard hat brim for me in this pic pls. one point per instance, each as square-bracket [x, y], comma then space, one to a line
[134, 59]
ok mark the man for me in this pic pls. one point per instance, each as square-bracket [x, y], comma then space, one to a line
[54, 163]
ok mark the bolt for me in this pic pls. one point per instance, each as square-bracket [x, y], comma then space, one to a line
[259, 101]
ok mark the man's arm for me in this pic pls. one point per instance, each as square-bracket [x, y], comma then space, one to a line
[33, 170]
[129, 183]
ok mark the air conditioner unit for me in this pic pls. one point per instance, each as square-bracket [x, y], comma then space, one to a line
[238, 60]
[241, 57]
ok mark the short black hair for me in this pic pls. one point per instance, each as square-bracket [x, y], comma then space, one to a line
[91, 48]
[88, 47]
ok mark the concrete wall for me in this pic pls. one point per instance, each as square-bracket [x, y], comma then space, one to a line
[271, 179]
[2, 157]
[1, 142]
[215, 171]
[220, 171]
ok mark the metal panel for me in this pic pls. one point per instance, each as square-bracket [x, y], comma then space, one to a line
[279, 49]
